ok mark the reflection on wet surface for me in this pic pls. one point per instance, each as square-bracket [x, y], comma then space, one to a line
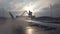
[32, 30]
[20, 26]
[29, 30]
[38, 30]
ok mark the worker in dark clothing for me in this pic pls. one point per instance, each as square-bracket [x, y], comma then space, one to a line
[30, 14]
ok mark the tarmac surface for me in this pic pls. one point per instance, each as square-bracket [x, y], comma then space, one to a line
[21, 26]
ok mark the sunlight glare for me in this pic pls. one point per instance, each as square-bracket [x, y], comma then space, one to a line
[29, 30]
[28, 8]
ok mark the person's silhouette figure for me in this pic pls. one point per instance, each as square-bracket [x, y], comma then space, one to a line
[30, 14]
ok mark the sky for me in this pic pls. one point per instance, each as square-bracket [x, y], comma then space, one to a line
[38, 7]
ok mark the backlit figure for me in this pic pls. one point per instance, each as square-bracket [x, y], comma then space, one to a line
[30, 14]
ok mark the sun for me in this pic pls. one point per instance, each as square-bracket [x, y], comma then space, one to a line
[28, 9]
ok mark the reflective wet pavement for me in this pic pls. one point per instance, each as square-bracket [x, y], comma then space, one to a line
[21, 26]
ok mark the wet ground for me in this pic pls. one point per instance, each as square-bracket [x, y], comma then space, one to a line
[21, 26]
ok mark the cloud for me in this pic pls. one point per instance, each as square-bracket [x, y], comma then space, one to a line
[38, 6]
[19, 4]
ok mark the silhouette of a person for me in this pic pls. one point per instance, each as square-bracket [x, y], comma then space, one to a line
[30, 14]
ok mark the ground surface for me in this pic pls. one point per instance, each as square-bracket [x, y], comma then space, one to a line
[21, 26]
